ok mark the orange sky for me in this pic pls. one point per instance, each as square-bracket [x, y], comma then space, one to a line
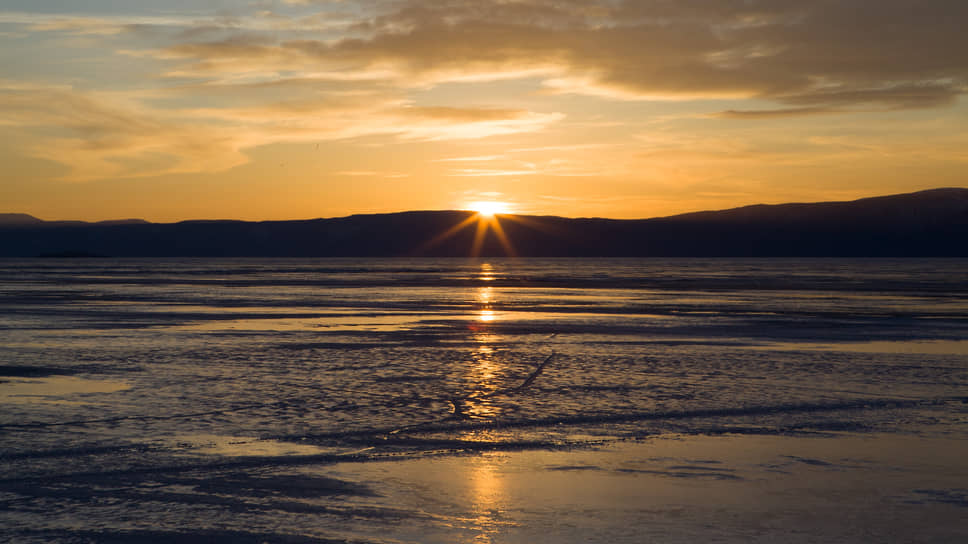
[318, 108]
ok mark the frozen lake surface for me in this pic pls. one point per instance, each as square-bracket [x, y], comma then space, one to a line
[487, 400]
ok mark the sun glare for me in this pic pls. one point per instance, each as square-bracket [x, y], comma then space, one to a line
[489, 208]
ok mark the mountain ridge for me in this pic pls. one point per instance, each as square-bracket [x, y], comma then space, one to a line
[953, 198]
[920, 224]
[958, 193]
[20, 219]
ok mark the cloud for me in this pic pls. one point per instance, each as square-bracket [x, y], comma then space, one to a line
[467, 114]
[490, 172]
[502, 166]
[825, 54]
[330, 116]
[477, 158]
[371, 173]
[98, 140]
[88, 24]
[102, 135]
[325, 70]
[771, 114]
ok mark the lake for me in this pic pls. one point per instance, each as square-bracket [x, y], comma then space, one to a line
[483, 400]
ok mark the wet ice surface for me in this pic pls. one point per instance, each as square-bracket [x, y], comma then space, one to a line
[874, 488]
[477, 401]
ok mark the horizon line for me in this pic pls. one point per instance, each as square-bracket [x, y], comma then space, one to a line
[457, 210]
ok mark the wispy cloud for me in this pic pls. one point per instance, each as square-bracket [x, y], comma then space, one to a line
[478, 158]
[189, 25]
[773, 114]
[371, 174]
[100, 136]
[490, 172]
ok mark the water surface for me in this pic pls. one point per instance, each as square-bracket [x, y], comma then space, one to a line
[129, 384]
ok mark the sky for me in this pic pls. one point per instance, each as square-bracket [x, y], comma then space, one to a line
[296, 109]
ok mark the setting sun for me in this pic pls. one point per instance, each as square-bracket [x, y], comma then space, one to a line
[489, 208]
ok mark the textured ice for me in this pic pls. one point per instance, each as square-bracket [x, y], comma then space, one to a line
[306, 401]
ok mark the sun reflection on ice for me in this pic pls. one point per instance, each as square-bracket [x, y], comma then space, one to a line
[484, 372]
[485, 298]
[483, 378]
[487, 273]
[489, 497]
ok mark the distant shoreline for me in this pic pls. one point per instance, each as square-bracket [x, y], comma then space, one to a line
[930, 223]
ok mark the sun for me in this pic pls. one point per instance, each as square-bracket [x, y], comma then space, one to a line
[487, 219]
[489, 208]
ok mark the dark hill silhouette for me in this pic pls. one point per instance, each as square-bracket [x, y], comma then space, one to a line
[22, 219]
[18, 219]
[925, 224]
[911, 210]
